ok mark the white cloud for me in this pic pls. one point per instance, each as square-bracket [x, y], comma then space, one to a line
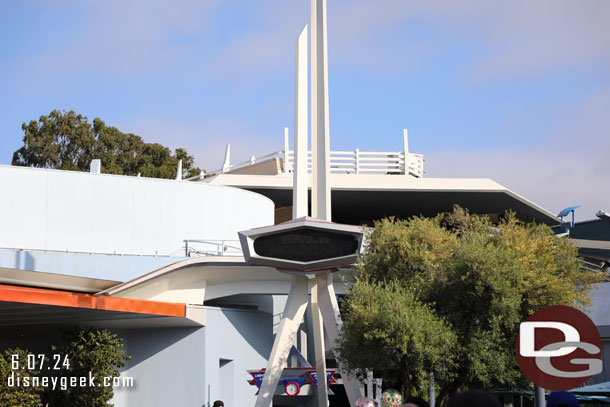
[512, 37]
[207, 139]
[516, 37]
[535, 38]
[568, 169]
[128, 37]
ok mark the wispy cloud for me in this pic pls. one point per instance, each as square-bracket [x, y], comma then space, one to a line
[199, 74]
[207, 138]
[568, 169]
[537, 38]
[124, 38]
[516, 37]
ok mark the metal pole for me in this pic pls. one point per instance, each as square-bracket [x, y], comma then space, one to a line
[405, 146]
[431, 391]
[539, 400]
[286, 165]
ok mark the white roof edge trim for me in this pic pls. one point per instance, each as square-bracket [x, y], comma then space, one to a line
[389, 183]
[533, 205]
[130, 177]
[195, 261]
[361, 182]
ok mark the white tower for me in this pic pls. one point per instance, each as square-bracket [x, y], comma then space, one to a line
[325, 310]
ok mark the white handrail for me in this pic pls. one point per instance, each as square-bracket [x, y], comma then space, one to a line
[363, 162]
[211, 247]
[346, 162]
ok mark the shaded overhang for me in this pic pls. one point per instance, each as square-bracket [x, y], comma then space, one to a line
[39, 279]
[362, 198]
[21, 306]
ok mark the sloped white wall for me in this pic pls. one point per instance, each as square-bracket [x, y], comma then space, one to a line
[99, 213]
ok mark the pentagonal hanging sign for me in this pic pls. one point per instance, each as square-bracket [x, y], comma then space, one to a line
[304, 244]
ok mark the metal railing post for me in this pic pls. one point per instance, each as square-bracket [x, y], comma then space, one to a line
[405, 143]
[357, 161]
[286, 147]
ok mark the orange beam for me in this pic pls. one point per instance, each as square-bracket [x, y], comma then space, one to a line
[40, 296]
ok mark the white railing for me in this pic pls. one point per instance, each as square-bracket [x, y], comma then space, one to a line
[368, 162]
[201, 247]
[341, 162]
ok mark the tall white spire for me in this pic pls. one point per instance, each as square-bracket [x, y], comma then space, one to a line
[299, 190]
[320, 140]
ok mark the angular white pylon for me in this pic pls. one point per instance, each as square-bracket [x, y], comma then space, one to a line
[318, 341]
[299, 189]
[226, 165]
[179, 171]
[284, 339]
[332, 324]
[320, 140]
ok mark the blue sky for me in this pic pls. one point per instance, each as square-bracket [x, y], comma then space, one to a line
[517, 91]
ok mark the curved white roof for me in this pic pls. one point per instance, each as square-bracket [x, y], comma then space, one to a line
[73, 211]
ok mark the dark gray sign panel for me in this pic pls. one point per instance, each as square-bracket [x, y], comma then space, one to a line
[304, 244]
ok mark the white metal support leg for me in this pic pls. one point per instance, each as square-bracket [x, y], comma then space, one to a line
[318, 340]
[285, 338]
[332, 323]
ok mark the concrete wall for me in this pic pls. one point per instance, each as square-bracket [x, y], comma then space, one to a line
[99, 213]
[193, 367]
[167, 366]
[236, 341]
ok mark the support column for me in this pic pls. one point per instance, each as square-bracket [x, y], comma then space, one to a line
[284, 339]
[318, 338]
[332, 324]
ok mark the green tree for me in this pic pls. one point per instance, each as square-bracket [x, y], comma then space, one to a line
[89, 350]
[445, 296]
[387, 329]
[67, 141]
[14, 393]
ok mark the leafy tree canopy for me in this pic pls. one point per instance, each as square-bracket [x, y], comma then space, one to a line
[67, 141]
[446, 296]
[98, 352]
[12, 391]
